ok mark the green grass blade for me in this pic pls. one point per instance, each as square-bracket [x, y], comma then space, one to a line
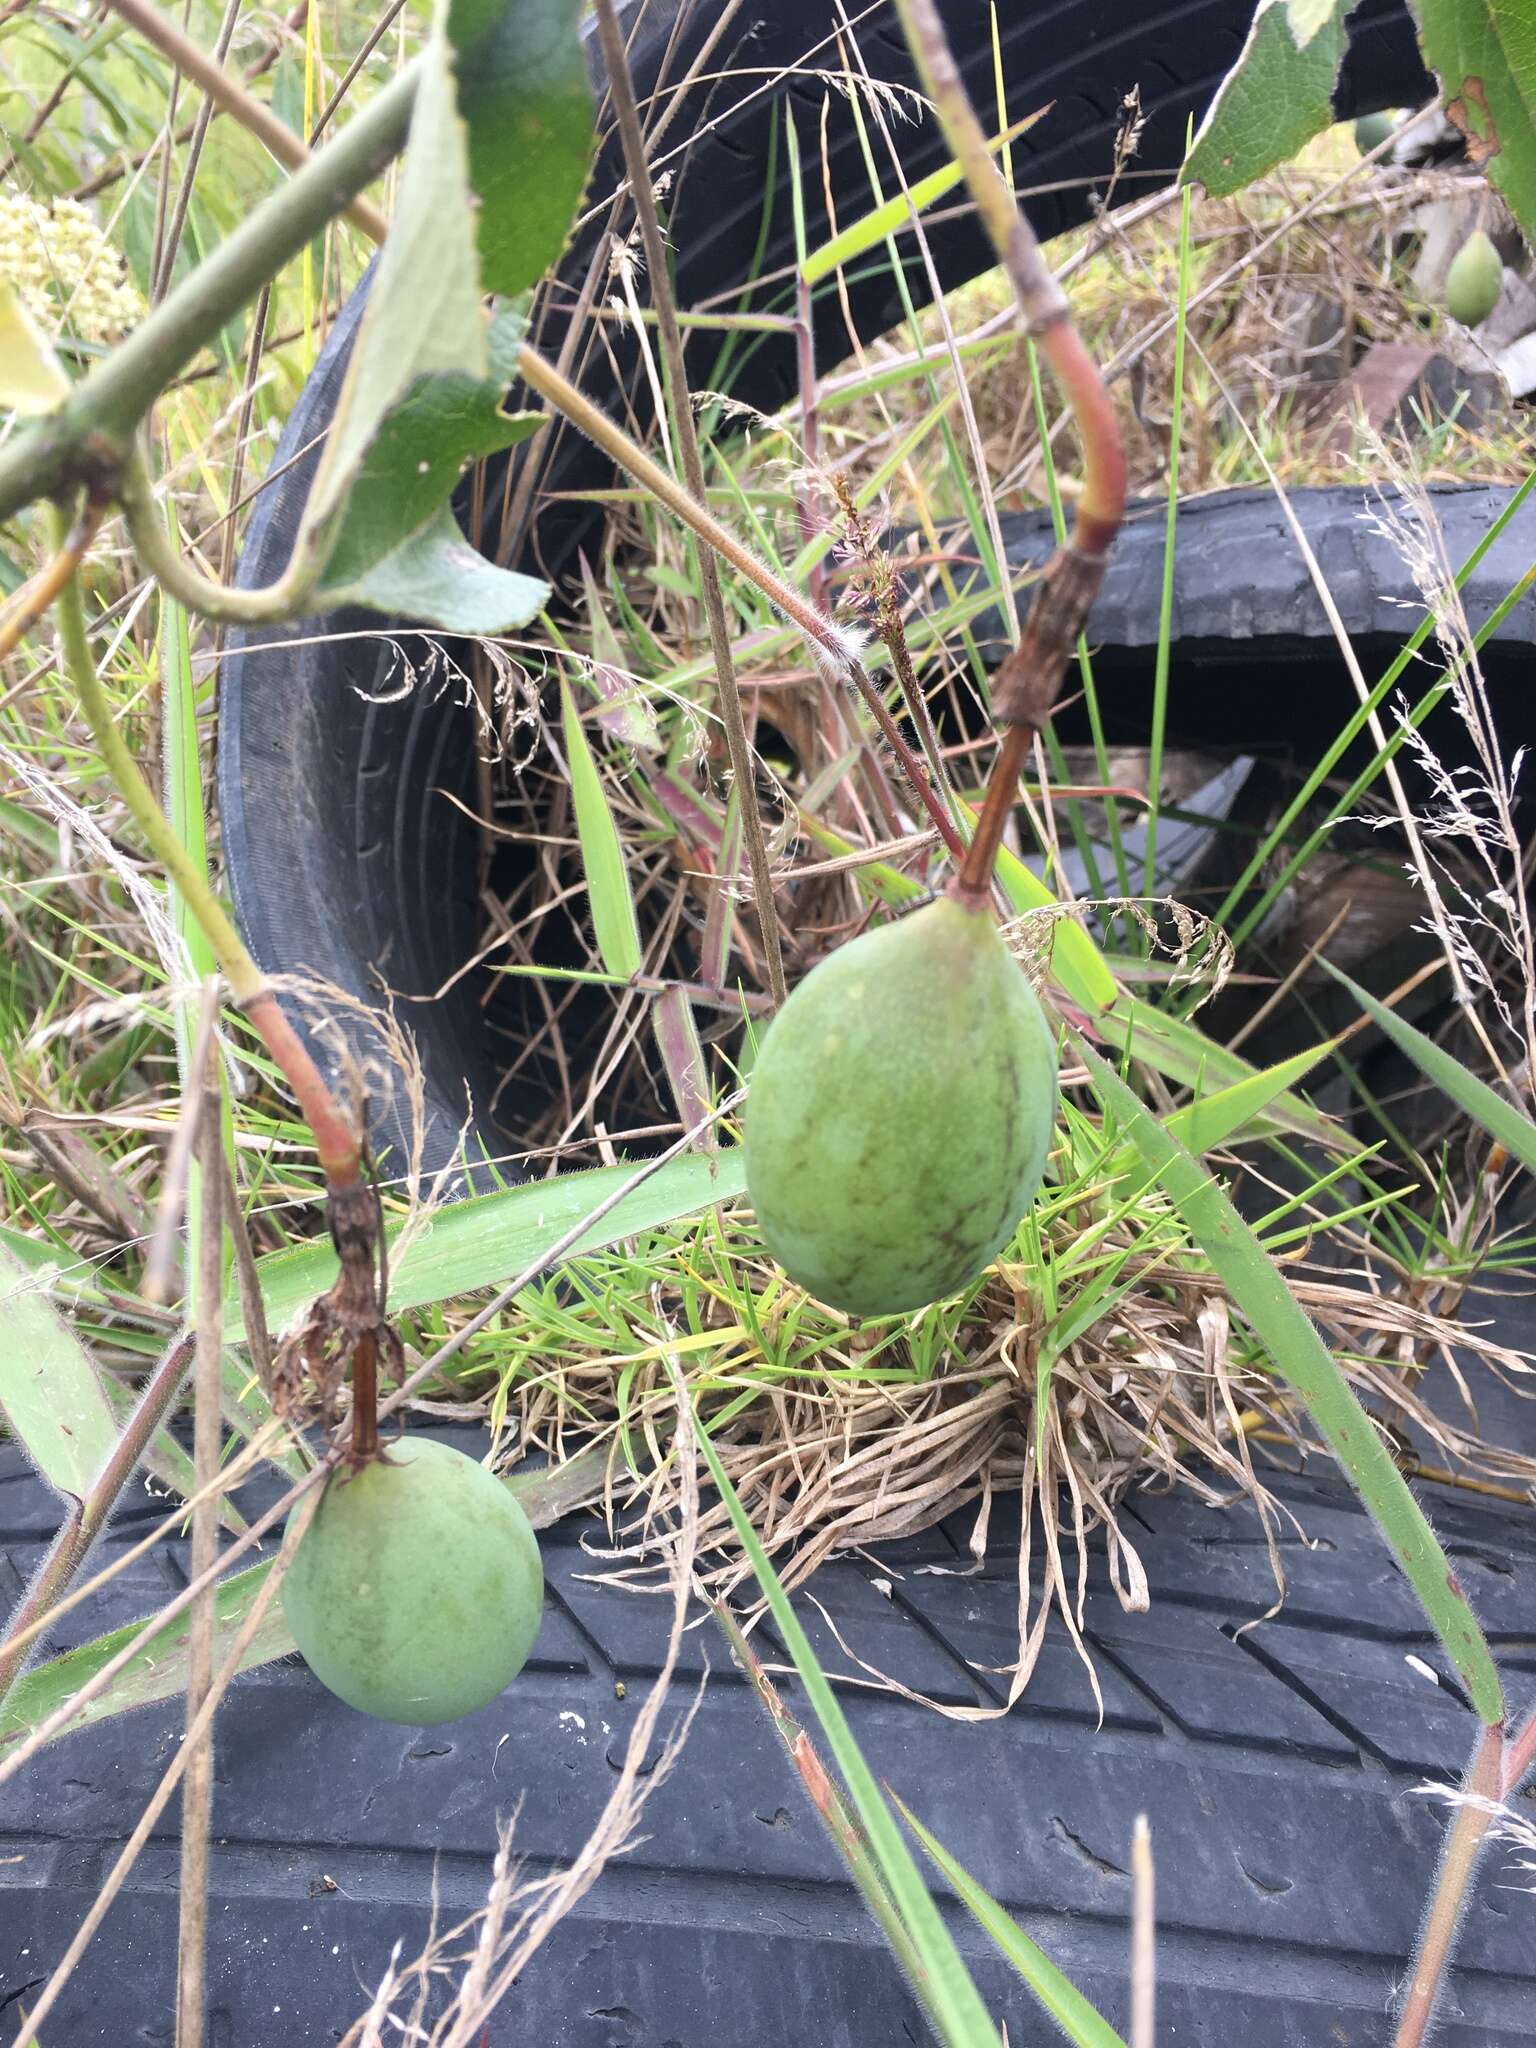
[868, 232]
[1212, 1119]
[1163, 661]
[484, 1241]
[1300, 1357]
[1181, 1052]
[1077, 2019]
[1500, 1119]
[49, 1392]
[953, 2002]
[158, 1672]
[602, 853]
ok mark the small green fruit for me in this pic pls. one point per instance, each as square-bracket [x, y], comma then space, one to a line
[901, 1112]
[415, 1593]
[1474, 281]
[1371, 130]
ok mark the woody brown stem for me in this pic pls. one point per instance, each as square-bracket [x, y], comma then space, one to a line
[1027, 684]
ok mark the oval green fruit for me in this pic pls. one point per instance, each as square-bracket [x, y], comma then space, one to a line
[416, 1592]
[1474, 280]
[1371, 130]
[901, 1113]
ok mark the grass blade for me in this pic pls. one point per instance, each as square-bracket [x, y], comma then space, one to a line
[158, 1672]
[49, 1392]
[1500, 1119]
[1077, 2018]
[602, 855]
[953, 2002]
[484, 1241]
[1300, 1357]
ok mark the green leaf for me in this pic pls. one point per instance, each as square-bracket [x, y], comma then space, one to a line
[1077, 2019]
[437, 578]
[31, 381]
[157, 1672]
[423, 316]
[602, 851]
[1212, 1119]
[484, 1241]
[627, 711]
[1500, 1119]
[1309, 17]
[1484, 53]
[1181, 1052]
[523, 94]
[49, 1392]
[1277, 96]
[1300, 1357]
[947, 1989]
[442, 424]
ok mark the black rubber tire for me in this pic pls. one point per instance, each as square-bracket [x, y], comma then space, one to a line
[1280, 1772]
[346, 853]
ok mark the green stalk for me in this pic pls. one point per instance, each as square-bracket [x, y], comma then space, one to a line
[336, 1143]
[1165, 612]
[91, 434]
[235, 963]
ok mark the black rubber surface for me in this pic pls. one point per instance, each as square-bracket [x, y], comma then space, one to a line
[346, 851]
[1278, 1770]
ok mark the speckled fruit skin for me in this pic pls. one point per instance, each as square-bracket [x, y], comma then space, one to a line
[415, 1593]
[1474, 280]
[900, 1114]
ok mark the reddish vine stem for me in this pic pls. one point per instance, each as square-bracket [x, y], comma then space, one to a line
[1026, 686]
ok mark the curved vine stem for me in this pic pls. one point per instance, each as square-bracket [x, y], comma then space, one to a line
[285, 599]
[1026, 685]
[336, 1141]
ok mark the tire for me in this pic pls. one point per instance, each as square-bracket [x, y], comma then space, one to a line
[1279, 1770]
[347, 854]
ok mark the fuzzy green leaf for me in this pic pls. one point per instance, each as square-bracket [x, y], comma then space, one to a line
[436, 577]
[1500, 1119]
[1298, 1354]
[439, 427]
[1484, 53]
[524, 97]
[31, 380]
[1277, 96]
[1181, 1052]
[423, 317]
[50, 1395]
[485, 1241]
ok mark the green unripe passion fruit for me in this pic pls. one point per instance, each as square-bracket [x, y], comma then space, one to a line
[1371, 130]
[1474, 281]
[415, 1593]
[900, 1114]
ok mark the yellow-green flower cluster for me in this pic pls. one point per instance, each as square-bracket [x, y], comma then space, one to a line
[71, 278]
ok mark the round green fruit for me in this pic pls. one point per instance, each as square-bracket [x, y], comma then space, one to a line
[1474, 280]
[1371, 130]
[415, 1593]
[901, 1113]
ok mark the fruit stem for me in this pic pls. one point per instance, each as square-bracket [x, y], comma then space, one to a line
[1026, 685]
[972, 886]
[364, 1444]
